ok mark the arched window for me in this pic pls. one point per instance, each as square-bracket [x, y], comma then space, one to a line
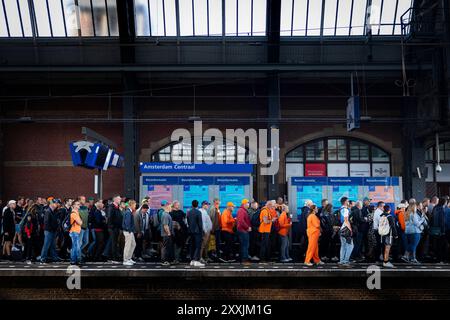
[227, 151]
[338, 157]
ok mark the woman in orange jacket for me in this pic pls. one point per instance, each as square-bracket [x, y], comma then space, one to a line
[313, 233]
[285, 223]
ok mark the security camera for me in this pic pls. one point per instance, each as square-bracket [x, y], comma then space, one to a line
[438, 168]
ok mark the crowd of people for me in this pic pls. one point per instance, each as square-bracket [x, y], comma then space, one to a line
[120, 230]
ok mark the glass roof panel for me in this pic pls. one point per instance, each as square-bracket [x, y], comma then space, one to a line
[58, 18]
[341, 17]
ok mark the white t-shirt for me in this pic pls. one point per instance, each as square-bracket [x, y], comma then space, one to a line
[376, 218]
[344, 214]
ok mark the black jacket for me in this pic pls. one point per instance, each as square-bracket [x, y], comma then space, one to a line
[114, 217]
[364, 227]
[195, 222]
[51, 221]
[98, 220]
[8, 222]
[303, 219]
[438, 218]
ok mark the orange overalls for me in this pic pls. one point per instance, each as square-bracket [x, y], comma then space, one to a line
[313, 232]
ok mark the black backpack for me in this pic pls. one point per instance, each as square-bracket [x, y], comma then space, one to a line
[326, 224]
[337, 218]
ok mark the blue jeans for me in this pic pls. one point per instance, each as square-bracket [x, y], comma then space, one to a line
[49, 246]
[84, 238]
[284, 251]
[92, 245]
[75, 253]
[346, 250]
[245, 242]
[413, 240]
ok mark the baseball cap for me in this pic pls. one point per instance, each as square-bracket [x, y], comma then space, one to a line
[57, 201]
[230, 204]
[367, 199]
[244, 201]
[205, 202]
[164, 202]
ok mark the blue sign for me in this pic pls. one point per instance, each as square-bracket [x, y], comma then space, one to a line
[163, 167]
[196, 180]
[381, 181]
[160, 180]
[344, 181]
[297, 181]
[232, 181]
[94, 155]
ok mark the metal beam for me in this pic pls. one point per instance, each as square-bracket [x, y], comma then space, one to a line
[125, 15]
[377, 67]
[273, 30]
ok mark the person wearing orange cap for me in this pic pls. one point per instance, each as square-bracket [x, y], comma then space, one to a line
[313, 233]
[227, 222]
[244, 226]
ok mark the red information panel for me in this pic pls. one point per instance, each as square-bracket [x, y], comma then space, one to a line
[315, 170]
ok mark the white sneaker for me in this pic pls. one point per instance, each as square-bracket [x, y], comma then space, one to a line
[127, 263]
[198, 264]
[388, 265]
[132, 261]
[192, 263]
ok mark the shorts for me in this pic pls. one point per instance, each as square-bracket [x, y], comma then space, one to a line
[8, 237]
[17, 227]
[387, 240]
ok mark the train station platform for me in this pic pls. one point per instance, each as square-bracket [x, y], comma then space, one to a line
[224, 281]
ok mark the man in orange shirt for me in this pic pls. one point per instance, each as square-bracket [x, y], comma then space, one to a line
[227, 222]
[266, 218]
[74, 232]
[285, 223]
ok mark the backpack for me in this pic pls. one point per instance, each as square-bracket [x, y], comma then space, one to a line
[157, 219]
[66, 225]
[338, 218]
[383, 226]
[326, 224]
[256, 222]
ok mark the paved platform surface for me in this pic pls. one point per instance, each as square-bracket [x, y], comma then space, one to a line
[221, 270]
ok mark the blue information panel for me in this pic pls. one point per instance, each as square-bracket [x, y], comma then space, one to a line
[194, 192]
[349, 191]
[231, 193]
[314, 193]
